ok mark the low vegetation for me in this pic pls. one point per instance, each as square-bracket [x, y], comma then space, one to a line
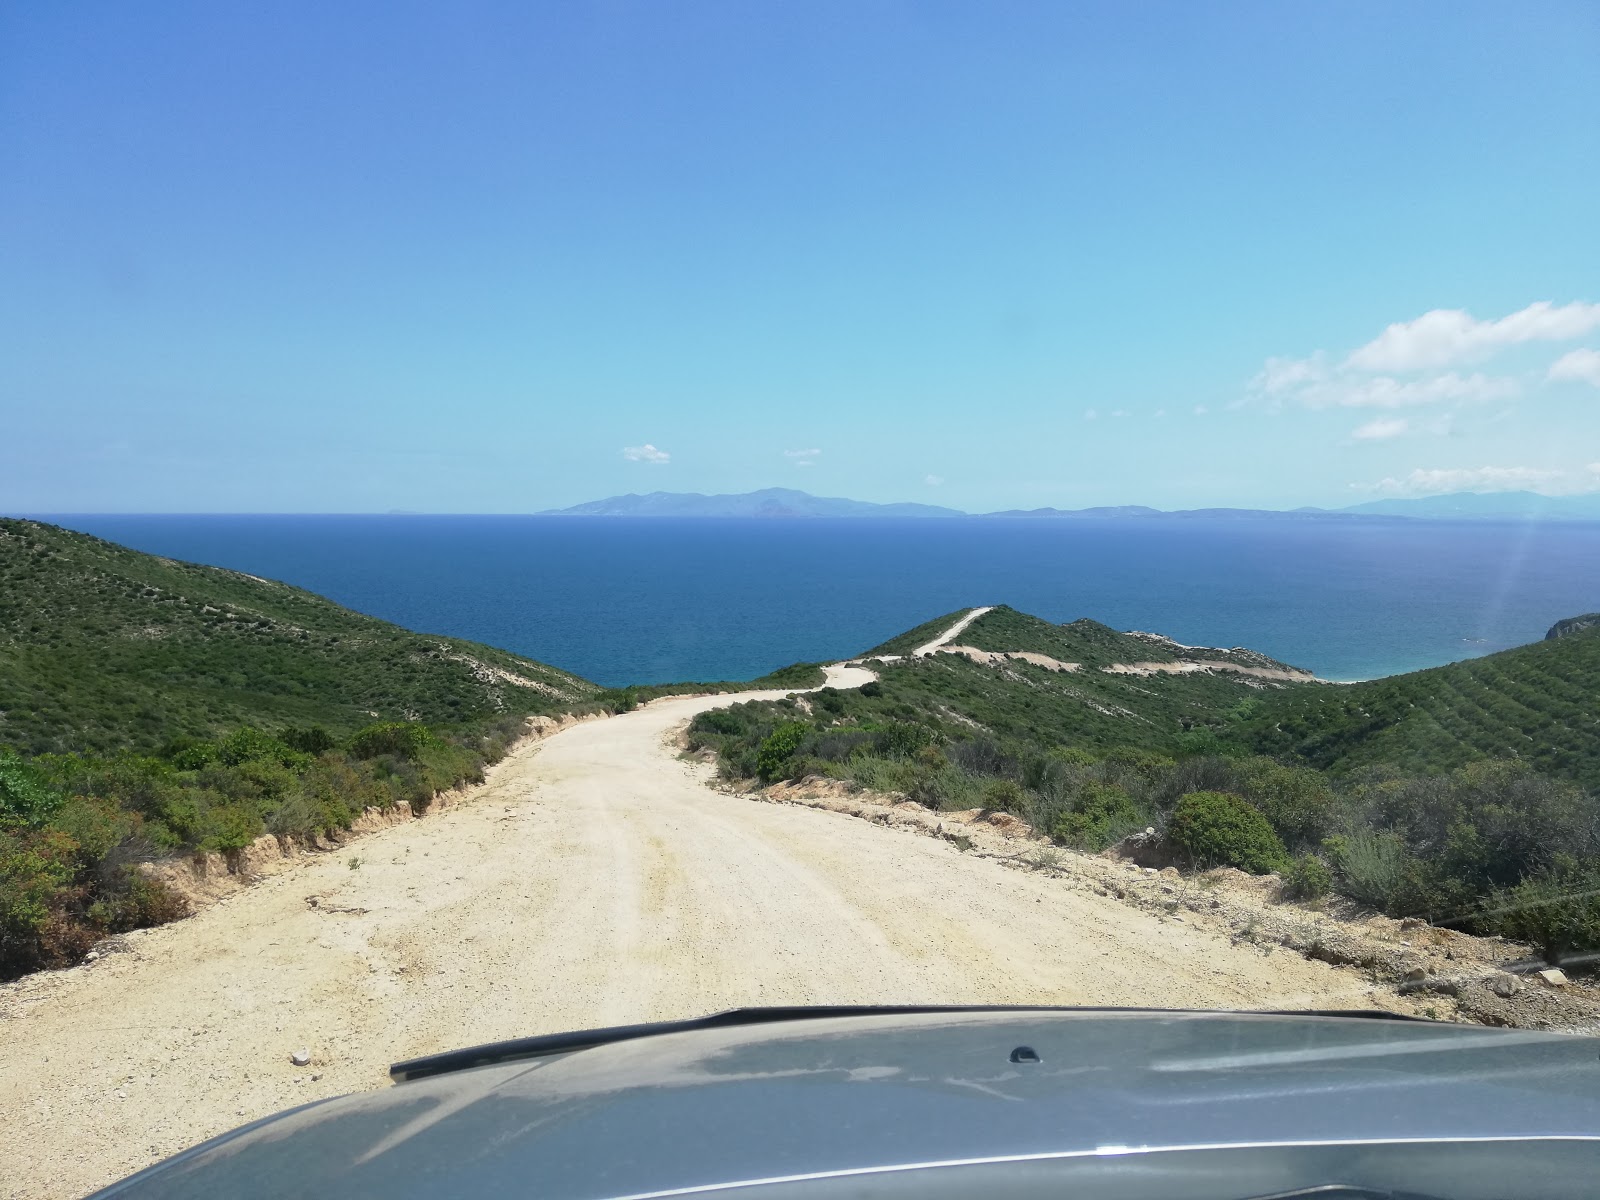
[1534, 704]
[151, 707]
[1485, 841]
[104, 649]
[77, 829]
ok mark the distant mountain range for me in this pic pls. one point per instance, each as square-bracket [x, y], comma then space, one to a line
[787, 502]
[769, 502]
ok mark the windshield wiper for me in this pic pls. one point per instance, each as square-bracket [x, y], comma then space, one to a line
[547, 1045]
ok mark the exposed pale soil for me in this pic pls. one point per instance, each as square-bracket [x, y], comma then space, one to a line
[593, 880]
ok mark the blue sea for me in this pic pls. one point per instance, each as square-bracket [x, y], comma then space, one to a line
[651, 600]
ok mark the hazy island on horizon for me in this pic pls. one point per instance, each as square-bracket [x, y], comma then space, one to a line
[789, 503]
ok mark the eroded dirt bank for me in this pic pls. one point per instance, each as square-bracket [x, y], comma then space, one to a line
[594, 880]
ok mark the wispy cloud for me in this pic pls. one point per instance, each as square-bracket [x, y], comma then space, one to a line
[933, 480]
[1381, 429]
[1089, 414]
[1580, 365]
[1339, 388]
[1447, 336]
[1434, 482]
[645, 453]
[803, 458]
[1419, 362]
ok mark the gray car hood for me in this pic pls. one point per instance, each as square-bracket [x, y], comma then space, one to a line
[714, 1108]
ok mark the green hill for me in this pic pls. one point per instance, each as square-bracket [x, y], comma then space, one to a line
[151, 707]
[1538, 704]
[1095, 645]
[1470, 807]
[103, 648]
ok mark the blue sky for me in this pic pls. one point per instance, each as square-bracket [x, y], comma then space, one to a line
[502, 257]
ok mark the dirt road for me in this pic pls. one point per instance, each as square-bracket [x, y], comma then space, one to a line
[595, 880]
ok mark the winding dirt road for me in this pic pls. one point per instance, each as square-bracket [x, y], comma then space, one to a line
[594, 880]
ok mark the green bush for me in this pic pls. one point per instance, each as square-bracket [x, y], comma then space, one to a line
[402, 739]
[1100, 815]
[1556, 911]
[946, 788]
[1003, 795]
[313, 739]
[778, 747]
[1298, 801]
[1373, 866]
[1307, 878]
[619, 700]
[1218, 829]
[251, 745]
[25, 798]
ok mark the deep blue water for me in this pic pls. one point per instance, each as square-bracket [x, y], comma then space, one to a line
[651, 600]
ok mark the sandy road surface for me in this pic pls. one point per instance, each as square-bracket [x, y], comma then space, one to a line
[595, 880]
[950, 635]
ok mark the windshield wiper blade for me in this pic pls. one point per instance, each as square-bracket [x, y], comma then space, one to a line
[550, 1044]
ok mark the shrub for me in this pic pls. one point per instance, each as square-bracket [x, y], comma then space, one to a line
[725, 721]
[778, 747]
[901, 739]
[1372, 866]
[1296, 800]
[402, 739]
[1307, 878]
[251, 745]
[946, 788]
[194, 756]
[878, 774]
[1100, 815]
[871, 690]
[619, 700]
[25, 798]
[313, 739]
[1219, 829]
[1004, 795]
[1557, 911]
[35, 871]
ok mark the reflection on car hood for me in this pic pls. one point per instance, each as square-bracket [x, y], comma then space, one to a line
[684, 1111]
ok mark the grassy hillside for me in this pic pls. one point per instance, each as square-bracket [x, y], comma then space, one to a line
[1093, 644]
[151, 707]
[921, 635]
[1538, 704]
[103, 648]
[1468, 807]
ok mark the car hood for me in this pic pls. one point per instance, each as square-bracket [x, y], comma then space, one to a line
[717, 1107]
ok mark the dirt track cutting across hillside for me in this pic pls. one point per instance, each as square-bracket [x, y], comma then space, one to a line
[594, 880]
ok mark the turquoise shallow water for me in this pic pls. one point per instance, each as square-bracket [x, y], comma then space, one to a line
[624, 601]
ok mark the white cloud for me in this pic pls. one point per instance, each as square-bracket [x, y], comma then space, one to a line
[1160, 412]
[1280, 375]
[1089, 414]
[803, 458]
[1451, 335]
[1581, 365]
[1385, 391]
[645, 453]
[1200, 410]
[933, 480]
[1412, 363]
[1380, 429]
[1422, 482]
[1119, 412]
